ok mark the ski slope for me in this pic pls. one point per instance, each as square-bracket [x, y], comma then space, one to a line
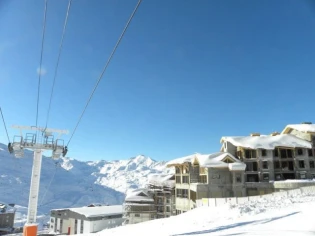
[293, 215]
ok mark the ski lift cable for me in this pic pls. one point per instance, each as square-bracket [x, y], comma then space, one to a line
[58, 59]
[40, 61]
[105, 67]
[5, 125]
[47, 188]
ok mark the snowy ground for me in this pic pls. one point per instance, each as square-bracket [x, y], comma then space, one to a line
[292, 215]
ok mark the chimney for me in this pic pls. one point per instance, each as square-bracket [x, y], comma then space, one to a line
[255, 134]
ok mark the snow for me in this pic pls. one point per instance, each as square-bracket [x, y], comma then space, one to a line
[215, 160]
[139, 195]
[302, 127]
[282, 215]
[161, 180]
[268, 142]
[97, 211]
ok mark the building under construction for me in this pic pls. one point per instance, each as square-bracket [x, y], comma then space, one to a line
[155, 201]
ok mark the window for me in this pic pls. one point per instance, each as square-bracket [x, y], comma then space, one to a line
[185, 193]
[302, 176]
[252, 178]
[301, 164]
[185, 170]
[251, 166]
[265, 164]
[263, 152]
[61, 225]
[299, 151]
[137, 215]
[286, 153]
[278, 176]
[310, 152]
[178, 179]
[75, 226]
[250, 154]
[177, 170]
[238, 178]
[178, 193]
[203, 179]
[276, 165]
[81, 227]
[312, 166]
[265, 177]
[185, 179]
[52, 220]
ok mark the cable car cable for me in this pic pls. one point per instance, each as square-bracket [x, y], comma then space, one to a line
[58, 59]
[105, 67]
[5, 125]
[40, 61]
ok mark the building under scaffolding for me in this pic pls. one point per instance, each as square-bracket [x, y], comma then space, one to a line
[7, 214]
[155, 201]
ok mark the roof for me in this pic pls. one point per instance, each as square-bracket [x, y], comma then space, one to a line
[306, 128]
[215, 160]
[139, 195]
[96, 211]
[268, 142]
[161, 180]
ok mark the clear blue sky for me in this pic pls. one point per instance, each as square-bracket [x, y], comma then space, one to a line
[186, 73]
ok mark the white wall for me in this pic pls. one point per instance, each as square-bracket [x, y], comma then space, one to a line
[213, 202]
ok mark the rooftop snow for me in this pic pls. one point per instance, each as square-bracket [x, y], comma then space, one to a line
[302, 127]
[162, 180]
[97, 211]
[209, 160]
[135, 195]
[268, 142]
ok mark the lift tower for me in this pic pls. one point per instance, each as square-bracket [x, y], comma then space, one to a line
[37, 139]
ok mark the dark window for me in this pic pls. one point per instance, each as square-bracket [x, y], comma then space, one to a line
[75, 226]
[265, 165]
[263, 152]
[238, 178]
[177, 170]
[61, 225]
[301, 164]
[185, 179]
[266, 177]
[178, 193]
[289, 153]
[251, 166]
[276, 165]
[185, 193]
[278, 176]
[203, 179]
[310, 152]
[137, 215]
[178, 180]
[249, 154]
[276, 152]
[312, 165]
[252, 178]
[81, 227]
[300, 151]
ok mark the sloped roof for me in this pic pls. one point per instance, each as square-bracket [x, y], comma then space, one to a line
[162, 180]
[300, 127]
[215, 160]
[139, 195]
[268, 142]
[97, 211]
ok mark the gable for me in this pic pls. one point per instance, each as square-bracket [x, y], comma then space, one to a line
[228, 159]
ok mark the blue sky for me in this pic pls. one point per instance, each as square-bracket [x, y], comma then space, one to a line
[185, 74]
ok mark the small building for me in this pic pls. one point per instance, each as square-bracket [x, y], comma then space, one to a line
[85, 219]
[7, 214]
[155, 201]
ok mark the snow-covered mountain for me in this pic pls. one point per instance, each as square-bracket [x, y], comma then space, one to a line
[69, 182]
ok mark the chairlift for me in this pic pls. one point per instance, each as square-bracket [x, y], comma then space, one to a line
[17, 146]
[58, 149]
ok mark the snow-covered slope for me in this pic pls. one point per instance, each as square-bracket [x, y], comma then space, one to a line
[70, 183]
[287, 215]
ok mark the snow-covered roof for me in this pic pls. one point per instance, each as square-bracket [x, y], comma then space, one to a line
[268, 142]
[300, 127]
[139, 195]
[97, 211]
[162, 180]
[215, 160]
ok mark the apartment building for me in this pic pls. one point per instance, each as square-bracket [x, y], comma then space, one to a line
[279, 156]
[204, 176]
[155, 201]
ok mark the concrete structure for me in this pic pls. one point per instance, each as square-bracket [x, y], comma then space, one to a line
[275, 157]
[204, 176]
[155, 201]
[85, 219]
